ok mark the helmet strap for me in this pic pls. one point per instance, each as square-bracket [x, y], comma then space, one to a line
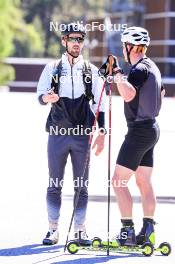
[128, 52]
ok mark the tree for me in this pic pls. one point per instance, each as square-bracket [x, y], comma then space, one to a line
[17, 37]
[6, 44]
[59, 11]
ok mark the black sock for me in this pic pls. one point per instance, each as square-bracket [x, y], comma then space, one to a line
[148, 220]
[127, 223]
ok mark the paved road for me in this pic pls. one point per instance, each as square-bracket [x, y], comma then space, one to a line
[21, 234]
[24, 179]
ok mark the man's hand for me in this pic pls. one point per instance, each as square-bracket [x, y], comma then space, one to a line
[110, 64]
[99, 143]
[163, 93]
[50, 98]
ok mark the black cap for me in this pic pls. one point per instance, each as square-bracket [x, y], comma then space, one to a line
[73, 28]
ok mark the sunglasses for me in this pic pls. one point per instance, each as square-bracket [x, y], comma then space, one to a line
[75, 39]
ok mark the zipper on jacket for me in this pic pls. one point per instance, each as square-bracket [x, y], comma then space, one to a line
[72, 82]
[72, 93]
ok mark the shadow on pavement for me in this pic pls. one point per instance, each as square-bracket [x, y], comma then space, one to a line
[29, 250]
[83, 259]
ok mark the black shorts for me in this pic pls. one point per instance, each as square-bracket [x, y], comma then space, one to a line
[137, 148]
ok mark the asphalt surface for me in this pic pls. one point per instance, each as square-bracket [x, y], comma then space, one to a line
[24, 179]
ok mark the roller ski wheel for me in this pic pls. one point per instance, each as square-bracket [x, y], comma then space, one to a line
[72, 247]
[96, 242]
[165, 249]
[147, 249]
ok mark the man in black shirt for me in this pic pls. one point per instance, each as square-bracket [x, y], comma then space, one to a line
[142, 93]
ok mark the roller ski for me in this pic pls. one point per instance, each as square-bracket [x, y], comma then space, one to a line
[80, 241]
[147, 235]
[126, 242]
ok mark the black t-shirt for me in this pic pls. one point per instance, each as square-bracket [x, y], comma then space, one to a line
[146, 78]
[138, 75]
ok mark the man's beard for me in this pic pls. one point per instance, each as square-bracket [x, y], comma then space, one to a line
[74, 52]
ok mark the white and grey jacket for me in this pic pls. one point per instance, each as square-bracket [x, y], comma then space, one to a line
[73, 108]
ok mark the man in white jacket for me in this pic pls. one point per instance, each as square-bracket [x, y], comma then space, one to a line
[69, 84]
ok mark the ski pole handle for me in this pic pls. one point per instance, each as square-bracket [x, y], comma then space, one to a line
[110, 65]
[107, 68]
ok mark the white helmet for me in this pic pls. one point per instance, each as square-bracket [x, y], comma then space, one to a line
[136, 36]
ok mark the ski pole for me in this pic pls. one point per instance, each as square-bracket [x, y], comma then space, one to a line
[111, 62]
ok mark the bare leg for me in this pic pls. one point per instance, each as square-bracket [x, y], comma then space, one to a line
[119, 181]
[143, 179]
